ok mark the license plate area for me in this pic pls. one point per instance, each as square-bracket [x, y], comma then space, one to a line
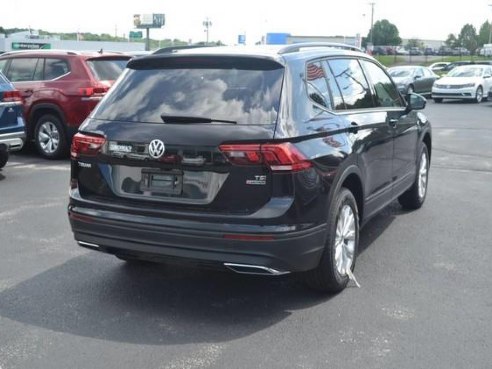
[164, 182]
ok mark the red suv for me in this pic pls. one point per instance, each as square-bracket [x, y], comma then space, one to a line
[60, 89]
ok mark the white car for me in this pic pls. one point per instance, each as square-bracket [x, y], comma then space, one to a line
[436, 67]
[467, 82]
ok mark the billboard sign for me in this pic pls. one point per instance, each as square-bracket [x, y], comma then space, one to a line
[241, 39]
[149, 20]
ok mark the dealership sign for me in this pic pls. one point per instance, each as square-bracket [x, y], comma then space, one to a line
[30, 46]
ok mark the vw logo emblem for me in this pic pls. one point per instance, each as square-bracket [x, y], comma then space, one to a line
[156, 149]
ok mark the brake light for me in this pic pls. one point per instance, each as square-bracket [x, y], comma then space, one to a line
[11, 96]
[83, 144]
[278, 157]
[91, 91]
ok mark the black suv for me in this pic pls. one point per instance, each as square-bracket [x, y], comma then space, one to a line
[262, 161]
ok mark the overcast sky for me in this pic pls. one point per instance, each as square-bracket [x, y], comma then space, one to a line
[424, 19]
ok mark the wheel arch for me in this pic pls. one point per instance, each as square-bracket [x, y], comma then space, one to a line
[42, 109]
[351, 178]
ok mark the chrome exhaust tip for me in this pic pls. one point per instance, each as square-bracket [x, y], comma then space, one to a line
[254, 269]
[89, 245]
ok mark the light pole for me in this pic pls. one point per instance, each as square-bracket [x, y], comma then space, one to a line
[372, 22]
[207, 24]
[490, 32]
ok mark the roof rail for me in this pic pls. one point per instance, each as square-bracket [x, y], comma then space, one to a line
[15, 52]
[334, 45]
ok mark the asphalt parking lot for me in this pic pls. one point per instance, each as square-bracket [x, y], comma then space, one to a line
[425, 299]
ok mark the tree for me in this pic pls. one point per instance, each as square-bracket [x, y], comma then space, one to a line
[451, 41]
[468, 38]
[484, 34]
[385, 33]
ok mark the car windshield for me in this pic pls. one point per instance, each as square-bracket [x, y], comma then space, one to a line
[400, 72]
[466, 72]
[107, 69]
[242, 96]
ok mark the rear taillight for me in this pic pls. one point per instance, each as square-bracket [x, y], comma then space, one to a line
[278, 157]
[93, 91]
[86, 145]
[11, 96]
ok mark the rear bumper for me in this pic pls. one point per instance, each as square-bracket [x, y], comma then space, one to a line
[185, 241]
[12, 141]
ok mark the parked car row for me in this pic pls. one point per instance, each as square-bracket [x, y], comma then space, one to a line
[466, 82]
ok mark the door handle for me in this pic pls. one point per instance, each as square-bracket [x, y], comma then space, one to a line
[354, 127]
[392, 122]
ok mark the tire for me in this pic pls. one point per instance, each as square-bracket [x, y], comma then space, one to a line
[415, 196]
[4, 158]
[50, 137]
[478, 95]
[438, 100]
[329, 275]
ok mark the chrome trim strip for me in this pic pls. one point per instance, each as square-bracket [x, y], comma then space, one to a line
[10, 104]
[264, 270]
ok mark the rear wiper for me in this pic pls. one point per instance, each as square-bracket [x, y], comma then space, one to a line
[178, 119]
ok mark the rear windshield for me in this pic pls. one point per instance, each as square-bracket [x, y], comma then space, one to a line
[245, 96]
[107, 69]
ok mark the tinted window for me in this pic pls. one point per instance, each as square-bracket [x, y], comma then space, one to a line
[334, 89]
[54, 68]
[352, 83]
[107, 69]
[2, 65]
[22, 69]
[316, 84]
[3, 79]
[428, 73]
[386, 93]
[244, 96]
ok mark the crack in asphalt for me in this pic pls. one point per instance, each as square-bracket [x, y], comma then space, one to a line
[461, 154]
[475, 170]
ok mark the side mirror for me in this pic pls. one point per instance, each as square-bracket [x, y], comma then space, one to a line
[415, 102]
[487, 76]
[417, 77]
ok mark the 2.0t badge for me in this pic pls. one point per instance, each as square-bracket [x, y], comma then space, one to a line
[156, 149]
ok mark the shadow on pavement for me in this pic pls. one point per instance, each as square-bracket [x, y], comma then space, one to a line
[97, 296]
[94, 296]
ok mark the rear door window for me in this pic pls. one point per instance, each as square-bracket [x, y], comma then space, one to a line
[107, 69]
[237, 93]
[352, 83]
[55, 68]
[23, 69]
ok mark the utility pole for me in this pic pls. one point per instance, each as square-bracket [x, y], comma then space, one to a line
[207, 24]
[372, 22]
